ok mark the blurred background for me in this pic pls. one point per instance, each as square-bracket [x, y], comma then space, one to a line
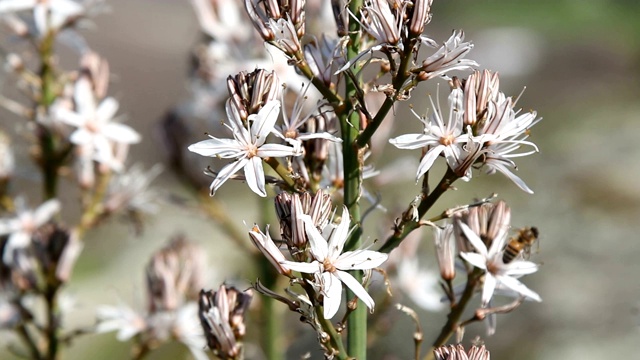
[580, 63]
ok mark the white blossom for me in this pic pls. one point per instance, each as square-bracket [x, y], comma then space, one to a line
[21, 228]
[497, 273]
[330, 264]
[247, 148]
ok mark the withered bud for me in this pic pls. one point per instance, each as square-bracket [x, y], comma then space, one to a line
[57, 250]
[175, 274]
[457, 352]
[420, 16]
[487, 220]
[317, 150]
[445, 251]
[222, 317]
[480, 89]
[249, 91]
[290, 207]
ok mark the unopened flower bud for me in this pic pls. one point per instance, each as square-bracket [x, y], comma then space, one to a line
[269, 249]
[487, 220]
[420, 16]
[222, 317]
[249, 91]
[57, 250]
[445, 251]
[457, 352]
[480, 89]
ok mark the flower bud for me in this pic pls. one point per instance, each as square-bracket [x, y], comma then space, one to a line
[420, 16]
[222, 317]
[249, 91]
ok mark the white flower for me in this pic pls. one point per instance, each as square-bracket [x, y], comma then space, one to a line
[497, 273]
[248, 147]
[123, 319]
[94, 126]
[419, 284]
[331, 264]
[440, 136]
[48, 15]
[24, 225]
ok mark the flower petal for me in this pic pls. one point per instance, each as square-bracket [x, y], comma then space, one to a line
[319, 246]
[357, 288]
[254, 175]
[224, 148]
[307, 268]
[45, 211]
[264, 121]
[413, 141]
[488, 289]
[225, 173]
[332, 290]
[474, 259]
[429, 158]
[339, 235]
[515, 285]
[360, 260]
[474, 239]
[277, 150]
[107, 110]
[121, 133]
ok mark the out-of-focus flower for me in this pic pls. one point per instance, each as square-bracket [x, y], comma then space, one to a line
[248, 147]
[94, 124]
[24, 225]
[496, 271]
[7, 161]
[57, 250]
[175, 275]
[419, 284]
[130, 190]
[122, 319]
[222, 318]
[330, 264]
[445, 251]
[457, 352]
[48, 15]
[440, 135]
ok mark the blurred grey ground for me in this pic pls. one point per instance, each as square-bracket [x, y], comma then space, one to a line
[580, 62]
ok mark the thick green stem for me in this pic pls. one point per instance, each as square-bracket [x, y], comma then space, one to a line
[352, 160]
[408, 224]
[453, 319]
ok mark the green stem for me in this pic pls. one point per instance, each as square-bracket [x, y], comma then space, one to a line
[334, 337]
[282, 171]
[49, 161]
[352, 160]
[455, 314]
[52, 328]
[400, 77]
[31, 344]
[407, 224]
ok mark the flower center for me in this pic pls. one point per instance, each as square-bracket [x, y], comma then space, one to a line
[328, 266]
[93, 126]
[291, 134]
[447, 140]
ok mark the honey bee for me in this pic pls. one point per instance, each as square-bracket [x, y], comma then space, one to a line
[520, 244]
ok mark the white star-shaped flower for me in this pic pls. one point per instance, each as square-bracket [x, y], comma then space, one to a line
[95, 129]
[497, 273]
[441, 137]
[330, 264]
[24, 225]
[247, 148]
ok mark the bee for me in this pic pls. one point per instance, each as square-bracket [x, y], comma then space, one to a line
[520, 244]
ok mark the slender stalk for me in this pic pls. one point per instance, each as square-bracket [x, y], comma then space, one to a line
[282, 171]
[52, 327]
[407, 225]
[352, 160]
[400, 77]
[334, 337]
[28, 340]
[455, 314]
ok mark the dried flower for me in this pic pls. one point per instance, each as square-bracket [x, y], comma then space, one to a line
[330, 264]
[445, 251]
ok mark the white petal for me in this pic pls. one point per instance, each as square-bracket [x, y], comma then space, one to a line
[332, 294]
[81, 137]
[84, 98]
[339, 235]
[225, 173]
[46, 211]
[224, 148]
[520, 267]
[428, 160]
[254, 175]
[474, 259]
[17, 240]
[474, 239]
[488, 289]
[356, 287]
[7, 6]
[308, 268]
[517, 286]
[264, 121]
[106, 110]
[413, 141]
[277, 150]
[319, 246]
[69, 117]
[360, 260]
[121, 133]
